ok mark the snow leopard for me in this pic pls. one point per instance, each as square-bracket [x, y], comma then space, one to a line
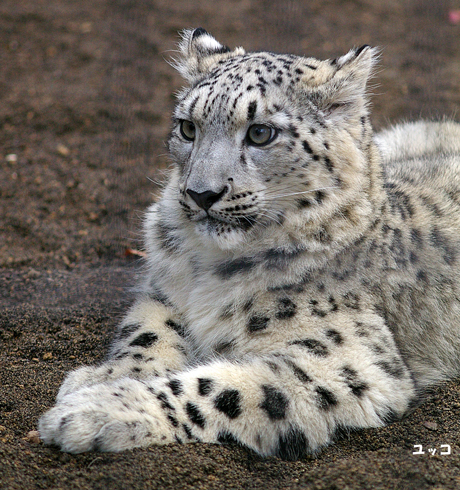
[302, 275]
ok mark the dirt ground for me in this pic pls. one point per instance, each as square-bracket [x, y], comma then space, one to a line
[85, 98]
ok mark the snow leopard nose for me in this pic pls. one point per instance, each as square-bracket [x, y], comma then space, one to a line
[207, 198]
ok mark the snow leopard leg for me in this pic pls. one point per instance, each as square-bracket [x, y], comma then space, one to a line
[288, 403]
[150, 342]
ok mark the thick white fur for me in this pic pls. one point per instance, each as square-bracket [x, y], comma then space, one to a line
[319, 293]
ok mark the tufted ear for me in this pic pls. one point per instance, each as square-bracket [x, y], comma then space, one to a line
[343, 89]
[199, 51]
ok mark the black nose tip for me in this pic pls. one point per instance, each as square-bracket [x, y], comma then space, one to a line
[205, 199]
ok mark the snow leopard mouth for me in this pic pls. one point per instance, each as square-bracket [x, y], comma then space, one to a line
[221, 224]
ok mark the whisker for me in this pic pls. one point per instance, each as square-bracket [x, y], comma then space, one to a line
[271, 198]
[270, 218]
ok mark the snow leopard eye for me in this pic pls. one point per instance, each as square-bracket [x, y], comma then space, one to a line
[187, 130]
[260, 135]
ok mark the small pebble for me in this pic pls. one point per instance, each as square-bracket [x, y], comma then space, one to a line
[11, 158]
[454, 16]
[33, 437]
[430, 425]
[62, 150]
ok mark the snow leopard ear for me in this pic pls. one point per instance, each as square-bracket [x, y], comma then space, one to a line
[199, 52]
[343, 90]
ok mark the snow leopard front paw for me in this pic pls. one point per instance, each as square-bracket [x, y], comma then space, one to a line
[107, 417]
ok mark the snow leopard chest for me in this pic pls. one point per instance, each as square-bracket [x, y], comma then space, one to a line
[250, 302]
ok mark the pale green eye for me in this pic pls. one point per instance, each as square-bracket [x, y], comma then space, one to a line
[187, 130]
[260, 135]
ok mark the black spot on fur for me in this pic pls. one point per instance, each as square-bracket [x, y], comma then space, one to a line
[228, 269]
[400, 202]
[314, 346]
[295, 288]
[226, 437]
[325, 398]
[190, 112]
[188, 431]
[416, 237]
[351, 300]
[164, 401]
[432, 206]
[248, 305]
[280, 259]
[176, 387]
[329, 164]
[357, 386]
[228, 402]
[298, 372]
[199, 31]
[362, 330]
[292, 444]
[332, 302]
[224, 347]
[68, 418]
[179, 329]
[257, 323]
[303, 203]
[204, 386]
[227, 312]
[146, 339]
[307, 147]
[293, 130]
[166, 238]
[159, 297]
[342, 431]
[273, 366]
[441, 242]
[195, 415]
[221, 50]
[275, 403]
[127, 330]
[173, 420]
[398, 249]
[137, 357]
[378, 349]
[361, 49]
[394, 369]
[286, 309]
[252, 109]
[422, 276]
[319, 196]
[334, 336]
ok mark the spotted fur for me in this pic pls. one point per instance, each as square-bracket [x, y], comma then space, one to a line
[302, 274]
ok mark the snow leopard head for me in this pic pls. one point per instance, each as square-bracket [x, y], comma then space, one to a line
[263, 140]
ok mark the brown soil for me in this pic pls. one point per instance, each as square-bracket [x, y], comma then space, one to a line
[85, 97]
